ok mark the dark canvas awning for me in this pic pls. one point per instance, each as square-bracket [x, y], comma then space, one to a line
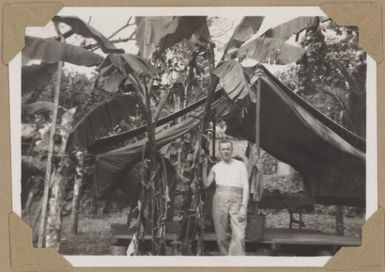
[110, 165]
[330, 158]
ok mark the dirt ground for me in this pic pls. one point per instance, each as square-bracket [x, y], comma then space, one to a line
[94, 232]
[94, 235]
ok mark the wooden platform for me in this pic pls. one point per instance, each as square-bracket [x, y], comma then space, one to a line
[272, 236]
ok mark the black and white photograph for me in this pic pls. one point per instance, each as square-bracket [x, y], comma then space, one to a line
[194, 132]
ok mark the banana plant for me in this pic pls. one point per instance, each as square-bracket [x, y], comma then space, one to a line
[271, 47]
[120, 71]
[85, 30]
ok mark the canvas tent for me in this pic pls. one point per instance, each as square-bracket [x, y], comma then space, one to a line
[330, 158]
[111, 164]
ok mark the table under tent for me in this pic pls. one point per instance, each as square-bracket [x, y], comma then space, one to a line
[330, 159]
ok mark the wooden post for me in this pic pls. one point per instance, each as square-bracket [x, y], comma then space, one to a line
[257, 120]
[257, 131]
[49, 158]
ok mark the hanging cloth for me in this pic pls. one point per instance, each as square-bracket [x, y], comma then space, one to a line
[255, 172]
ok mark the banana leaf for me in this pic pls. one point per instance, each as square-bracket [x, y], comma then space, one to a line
[110, 83]
[36, 76]
[233, 80]
[162, 32]
[116, 67]
[101, 119]
[272, 51]
[200, 38]
[285, 30]
[246, 28]
[80, 27]
[52, 51]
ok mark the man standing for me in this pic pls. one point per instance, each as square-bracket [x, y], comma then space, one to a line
[230, 200]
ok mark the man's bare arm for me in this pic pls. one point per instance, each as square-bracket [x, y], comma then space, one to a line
[245, 182]
[245, 195]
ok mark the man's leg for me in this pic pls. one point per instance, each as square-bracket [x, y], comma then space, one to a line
[238, 229]
[221, 223]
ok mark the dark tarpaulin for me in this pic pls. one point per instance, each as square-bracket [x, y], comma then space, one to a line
[118, 138]
[330, 158]
[110, 165]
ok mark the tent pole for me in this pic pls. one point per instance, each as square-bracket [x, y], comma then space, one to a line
[257, 129]
[48, 172]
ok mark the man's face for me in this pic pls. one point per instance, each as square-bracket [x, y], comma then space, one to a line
[226, 151]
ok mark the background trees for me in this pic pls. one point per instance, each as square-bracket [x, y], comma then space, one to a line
[332, 75]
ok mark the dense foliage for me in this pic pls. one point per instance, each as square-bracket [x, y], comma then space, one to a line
[332, 75]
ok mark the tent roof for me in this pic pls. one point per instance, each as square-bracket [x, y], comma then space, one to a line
[330, 158]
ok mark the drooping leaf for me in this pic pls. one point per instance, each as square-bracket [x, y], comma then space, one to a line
[246, 28]
[272, 51]
[200, 38]
[101, 119]
[116, 68]
[36, 106]
[110, 83]
[163, 32]
[80, 27]
[285, 30]
[52, 51]
[137, 64]
[233, 79]
[36, 76]
[150, 31]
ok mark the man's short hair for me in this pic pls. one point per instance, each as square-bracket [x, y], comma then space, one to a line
[226, 141]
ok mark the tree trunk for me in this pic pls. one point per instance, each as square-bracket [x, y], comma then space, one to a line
[54, 221]
[76, 195]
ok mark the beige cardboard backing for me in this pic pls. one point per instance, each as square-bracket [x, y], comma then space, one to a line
[16, 251]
